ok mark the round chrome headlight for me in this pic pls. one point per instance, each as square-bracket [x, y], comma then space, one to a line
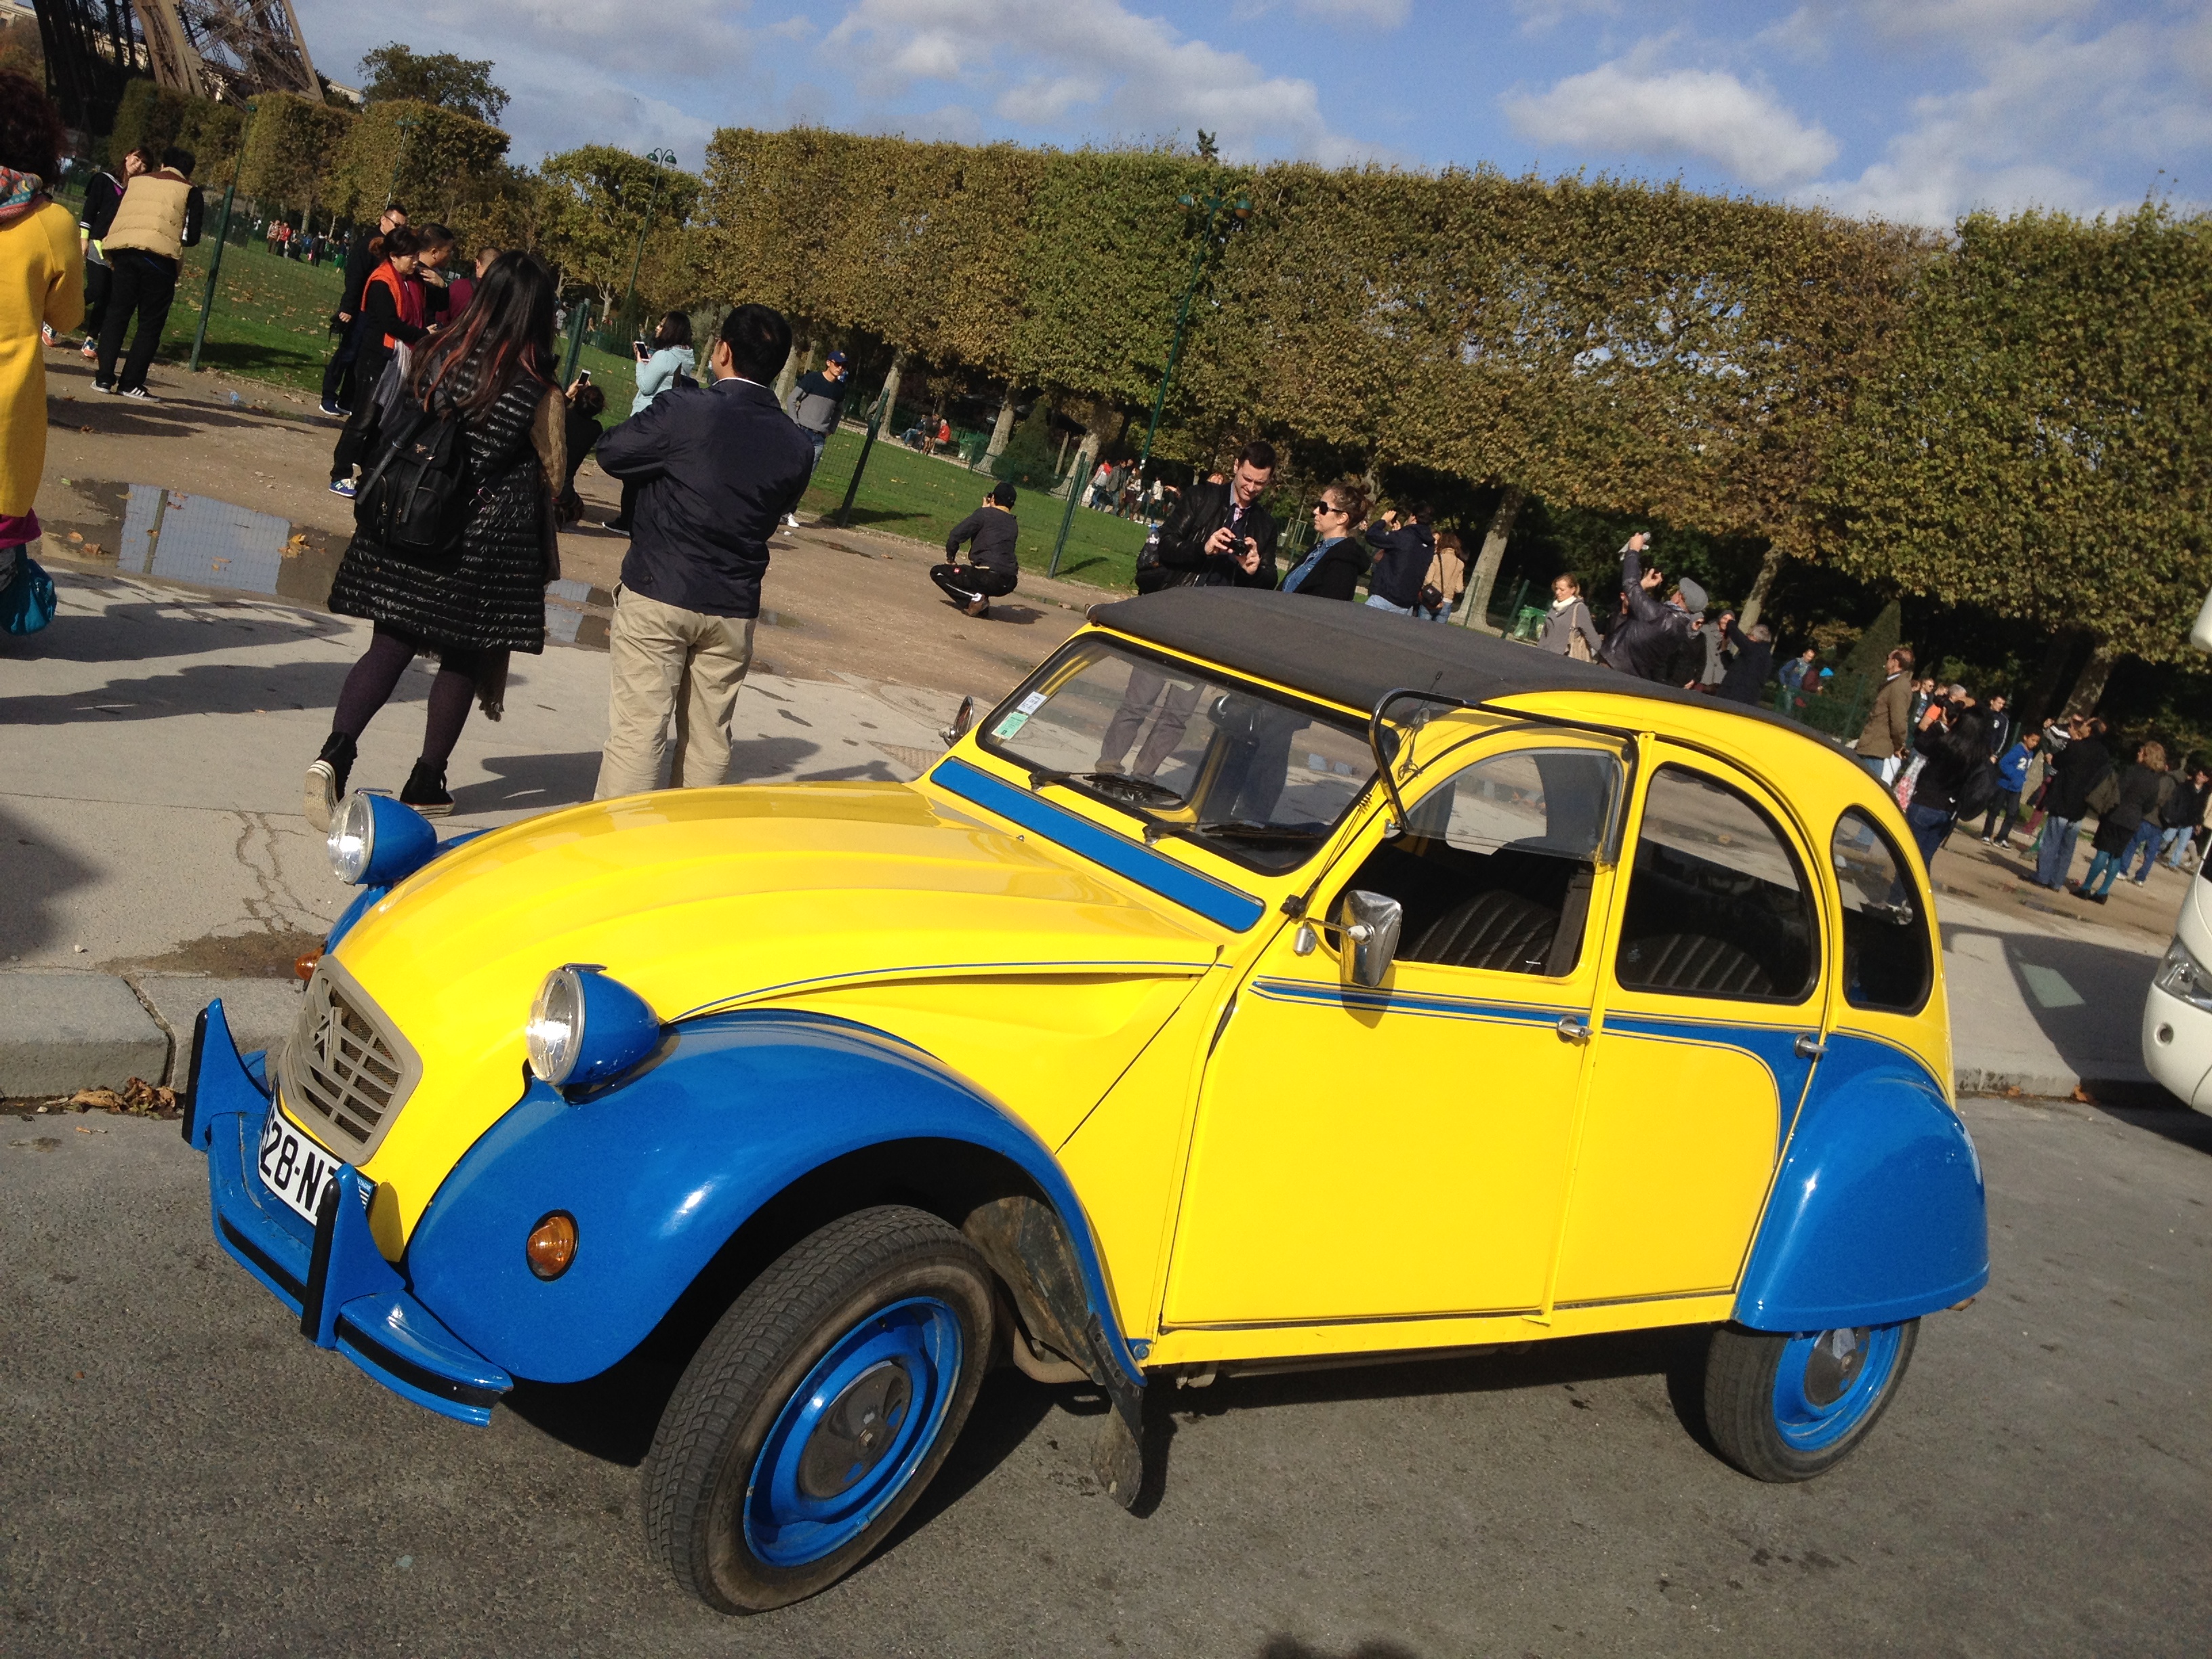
[556, 1034]
[353, 838]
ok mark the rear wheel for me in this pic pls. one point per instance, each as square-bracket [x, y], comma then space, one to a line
[1783, 1407]
[818, 1408]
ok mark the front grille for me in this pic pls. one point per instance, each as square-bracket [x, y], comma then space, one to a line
[347, 1071]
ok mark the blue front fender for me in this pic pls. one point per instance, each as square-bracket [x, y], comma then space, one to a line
[660, 1172]
[1878, 1213]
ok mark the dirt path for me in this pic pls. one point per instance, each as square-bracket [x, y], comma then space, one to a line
[836, 603]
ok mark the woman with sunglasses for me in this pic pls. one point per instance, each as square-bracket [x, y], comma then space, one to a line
[1333, 569]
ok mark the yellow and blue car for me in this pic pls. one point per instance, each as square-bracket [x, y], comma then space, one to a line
[1264, 983]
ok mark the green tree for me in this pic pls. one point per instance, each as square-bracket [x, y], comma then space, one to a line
[2040, 443]
[1027, 459]
[463, 85]
[290, 147]
[434, 160]
[600, 200]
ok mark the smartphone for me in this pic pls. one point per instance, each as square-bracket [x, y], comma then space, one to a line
[583, 374]
[641, 347]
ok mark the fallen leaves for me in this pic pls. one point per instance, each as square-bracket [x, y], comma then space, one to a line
[138, 1098]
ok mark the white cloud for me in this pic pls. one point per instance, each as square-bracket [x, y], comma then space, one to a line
[1672, 114]
[1539, 16]
[2053, 122]
[1059, 63]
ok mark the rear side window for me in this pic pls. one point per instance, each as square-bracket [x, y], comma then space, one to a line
[1718, 905]
[1887, 960]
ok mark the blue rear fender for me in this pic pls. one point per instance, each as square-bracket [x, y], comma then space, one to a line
[662, 1171]
[1878, 1213]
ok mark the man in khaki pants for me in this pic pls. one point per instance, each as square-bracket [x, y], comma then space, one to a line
[718, 465]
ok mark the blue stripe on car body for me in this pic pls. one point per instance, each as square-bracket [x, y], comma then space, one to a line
[1218, 901]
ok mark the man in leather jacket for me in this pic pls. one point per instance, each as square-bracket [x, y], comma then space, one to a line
[1646, 640]
[1219, 536]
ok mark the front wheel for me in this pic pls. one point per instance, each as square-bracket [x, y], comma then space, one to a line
[817, 1409]
[1783, 1407]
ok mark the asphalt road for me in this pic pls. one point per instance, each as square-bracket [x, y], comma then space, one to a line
[180, 1473]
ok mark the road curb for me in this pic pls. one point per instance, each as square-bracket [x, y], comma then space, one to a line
[63, 1030]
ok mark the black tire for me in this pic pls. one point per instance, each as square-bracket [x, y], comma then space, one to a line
[703, 1517]
[1786, 1408]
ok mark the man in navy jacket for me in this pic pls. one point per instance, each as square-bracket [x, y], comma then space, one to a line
[718, 465]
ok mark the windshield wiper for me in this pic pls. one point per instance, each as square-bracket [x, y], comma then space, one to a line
[1235, 829]
[1134, 791]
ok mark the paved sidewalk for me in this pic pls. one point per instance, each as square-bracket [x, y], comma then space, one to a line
[151, 745]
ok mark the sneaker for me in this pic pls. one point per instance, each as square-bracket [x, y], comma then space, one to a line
[343, 487]
[325, 784]
[90, 351]
[329, 408]
[980, 608]
[141, 394]
[426, 791]
[791, 521]
[618, 529]
[98, 385]
[47, 333]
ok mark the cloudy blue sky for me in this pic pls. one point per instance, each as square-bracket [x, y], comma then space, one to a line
[1909, 109]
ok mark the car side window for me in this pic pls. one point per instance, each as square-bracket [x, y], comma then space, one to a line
[1887, 960]
[1495, 864]
[1718, 905]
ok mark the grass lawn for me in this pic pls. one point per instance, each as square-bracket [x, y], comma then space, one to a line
[271, 322]
[909, 494]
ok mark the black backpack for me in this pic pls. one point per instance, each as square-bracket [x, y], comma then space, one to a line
[1978, 792]
[416, 502]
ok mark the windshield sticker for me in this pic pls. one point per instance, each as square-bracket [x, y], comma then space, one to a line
[1031, 703]
[1011, 724]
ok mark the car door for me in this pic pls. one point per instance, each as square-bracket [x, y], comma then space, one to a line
[1713, 1017]
[1402, 1151]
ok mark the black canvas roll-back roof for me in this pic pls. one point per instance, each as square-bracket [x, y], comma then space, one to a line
[1353, 655]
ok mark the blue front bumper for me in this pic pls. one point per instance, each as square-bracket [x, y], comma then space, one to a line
[332, 1275]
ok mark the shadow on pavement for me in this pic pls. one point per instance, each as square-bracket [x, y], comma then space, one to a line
[533, 783]
[176, 628]
[215, 689]
[2086, 998]
[37, 874]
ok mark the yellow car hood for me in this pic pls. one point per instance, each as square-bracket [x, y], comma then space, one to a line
[816, 894]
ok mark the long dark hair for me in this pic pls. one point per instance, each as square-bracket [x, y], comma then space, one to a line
[506, 333]
[31, 135]
[675, 330]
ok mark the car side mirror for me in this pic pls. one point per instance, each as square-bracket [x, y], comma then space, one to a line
[961, 722]
[1370, 924]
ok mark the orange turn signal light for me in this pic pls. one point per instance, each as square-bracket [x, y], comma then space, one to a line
[551, 1245]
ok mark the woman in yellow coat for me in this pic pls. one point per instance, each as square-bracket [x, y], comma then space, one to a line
[41, 281]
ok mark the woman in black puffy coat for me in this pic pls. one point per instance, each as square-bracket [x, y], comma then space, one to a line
[469, 608]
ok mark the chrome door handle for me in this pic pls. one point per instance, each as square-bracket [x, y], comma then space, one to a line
[1572, 1028]
[1809, 1047]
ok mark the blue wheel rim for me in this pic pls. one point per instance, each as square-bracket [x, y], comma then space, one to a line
[852, 1435]
[1826, 1382]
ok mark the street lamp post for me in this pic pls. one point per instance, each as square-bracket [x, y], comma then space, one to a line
[659, 158]
[1239, 209]
[221, 232]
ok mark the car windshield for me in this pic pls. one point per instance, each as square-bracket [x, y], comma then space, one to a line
[1259, 778]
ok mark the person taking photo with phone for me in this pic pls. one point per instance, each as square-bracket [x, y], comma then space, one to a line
[662, 362]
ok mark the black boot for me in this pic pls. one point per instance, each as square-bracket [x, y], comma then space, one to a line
[426, 791]
[326, 780]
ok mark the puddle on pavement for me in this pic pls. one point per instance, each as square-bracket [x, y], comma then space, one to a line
[200, 542]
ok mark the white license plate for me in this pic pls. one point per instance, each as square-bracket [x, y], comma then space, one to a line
[293, 1167]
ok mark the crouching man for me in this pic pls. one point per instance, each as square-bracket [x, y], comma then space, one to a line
[993, 569]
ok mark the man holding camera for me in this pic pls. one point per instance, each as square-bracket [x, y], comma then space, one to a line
[1219, 536]
[1647, 641]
